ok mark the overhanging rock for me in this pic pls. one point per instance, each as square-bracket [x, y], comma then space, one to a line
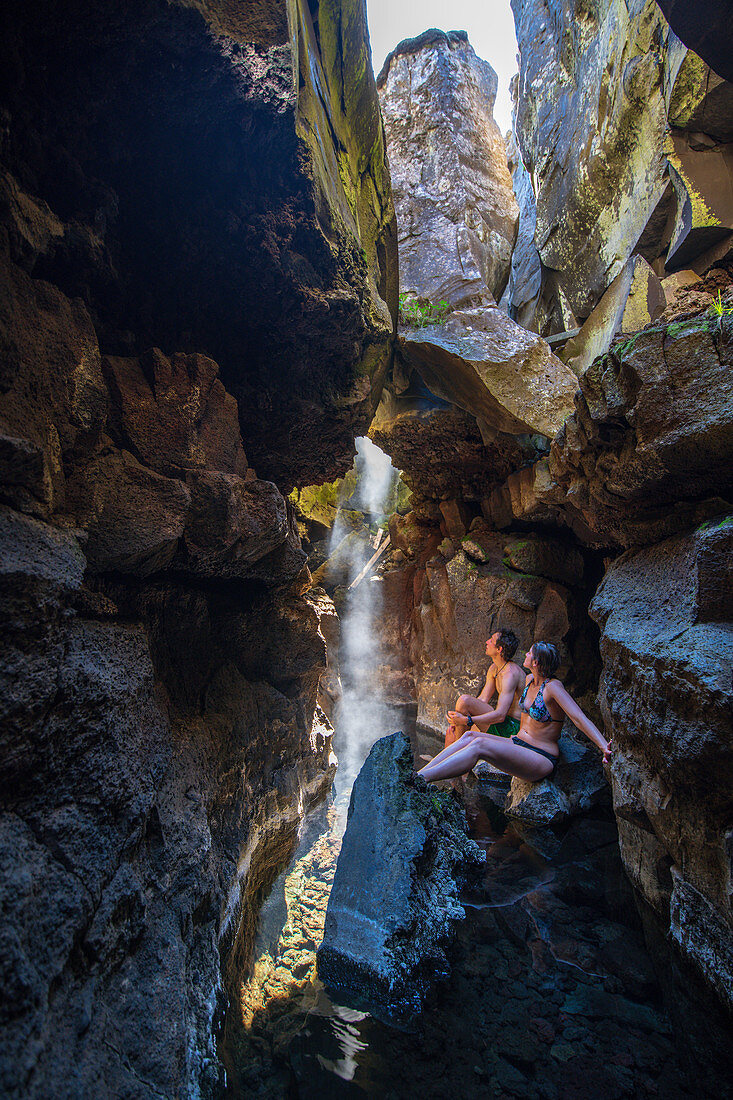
[405, 856]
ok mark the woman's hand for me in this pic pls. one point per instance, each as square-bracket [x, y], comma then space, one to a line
[607, 753]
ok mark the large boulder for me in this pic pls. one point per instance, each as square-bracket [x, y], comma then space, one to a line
[666, 615]
[593, 138]
[650, 442]
[627, 149]
[394, 901]
[456, 211]
[486, 364]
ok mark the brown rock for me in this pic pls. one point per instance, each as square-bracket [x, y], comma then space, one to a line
[456, 518]
[52, 394]
[441, 451]
[174, 414]
[651, 438]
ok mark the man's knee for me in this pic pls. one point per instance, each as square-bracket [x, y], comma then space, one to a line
[462, 703]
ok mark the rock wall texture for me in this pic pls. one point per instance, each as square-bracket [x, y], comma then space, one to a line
[667, 620]
[456, 211]
[520, 508]
[198, 285]
[253, 200]
[624, 134]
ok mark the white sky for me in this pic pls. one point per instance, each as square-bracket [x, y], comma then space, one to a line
[489, 23]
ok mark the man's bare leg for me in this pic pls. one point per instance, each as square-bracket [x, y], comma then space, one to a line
[468, 705]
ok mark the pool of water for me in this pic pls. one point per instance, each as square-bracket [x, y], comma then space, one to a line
[554, 991]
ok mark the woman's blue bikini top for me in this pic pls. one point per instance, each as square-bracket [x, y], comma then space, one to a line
[537, 708]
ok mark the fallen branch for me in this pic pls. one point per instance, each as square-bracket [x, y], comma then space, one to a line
[377, 554]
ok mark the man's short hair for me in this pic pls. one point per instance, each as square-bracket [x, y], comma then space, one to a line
[507, 642]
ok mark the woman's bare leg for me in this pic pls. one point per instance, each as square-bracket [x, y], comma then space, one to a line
[449, 750]
[499, 751]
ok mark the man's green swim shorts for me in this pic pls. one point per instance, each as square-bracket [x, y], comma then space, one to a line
[508, 728]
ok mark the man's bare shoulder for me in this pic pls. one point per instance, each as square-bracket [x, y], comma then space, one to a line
[518, 673]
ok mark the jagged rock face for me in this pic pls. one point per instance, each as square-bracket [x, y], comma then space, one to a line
[441, 450]
[484, 363]
[455, 207]
[469, 401]
[404, 858]
[634, 299]
[667, 620]
[161, 727]
[601, 172]
[145, 732]
[610, 177]
[252, 199]
[525, 281]
[649, 446]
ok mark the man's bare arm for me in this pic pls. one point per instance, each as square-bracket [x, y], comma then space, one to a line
[490, 716]
[488, 691]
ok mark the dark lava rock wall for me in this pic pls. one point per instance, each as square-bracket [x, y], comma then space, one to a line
[208, 180]
[667, 619]
[198, 268]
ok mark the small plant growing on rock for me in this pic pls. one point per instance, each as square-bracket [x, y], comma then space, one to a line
[418, 313]
[719, 308]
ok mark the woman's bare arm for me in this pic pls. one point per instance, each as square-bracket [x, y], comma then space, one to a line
[558, 694]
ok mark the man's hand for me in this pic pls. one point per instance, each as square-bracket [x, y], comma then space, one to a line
[457, 718]
[607, 754]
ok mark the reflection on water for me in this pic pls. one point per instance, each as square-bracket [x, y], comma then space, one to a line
[553, 992]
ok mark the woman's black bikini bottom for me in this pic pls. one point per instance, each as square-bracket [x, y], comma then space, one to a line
[526, 745]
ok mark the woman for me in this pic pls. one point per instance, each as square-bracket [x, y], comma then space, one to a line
[533, 752]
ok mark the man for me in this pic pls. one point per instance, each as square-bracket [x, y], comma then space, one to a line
[506, 680]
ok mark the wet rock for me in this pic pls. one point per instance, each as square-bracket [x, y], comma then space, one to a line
[455, 207]
[666, 617]
[394, 902]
